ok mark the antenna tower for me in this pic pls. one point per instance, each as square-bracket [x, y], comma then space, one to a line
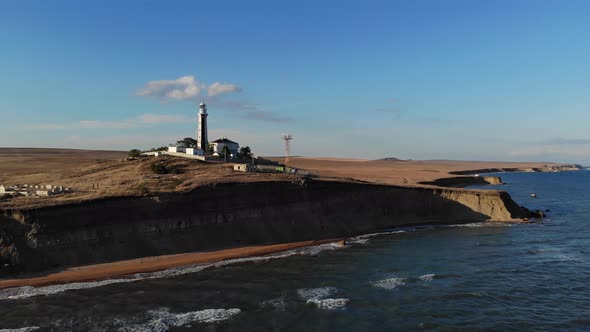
[287, 138]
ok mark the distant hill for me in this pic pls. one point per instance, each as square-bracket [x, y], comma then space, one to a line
[389, 159]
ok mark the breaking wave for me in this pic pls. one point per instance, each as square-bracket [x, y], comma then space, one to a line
[162, 319]
[319, 297]
[329, 303]
[389, 283]
[22, 329]
[427, 277]
[362, 239]
[316, 293]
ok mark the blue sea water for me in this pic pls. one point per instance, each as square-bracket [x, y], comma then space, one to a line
[476, 277]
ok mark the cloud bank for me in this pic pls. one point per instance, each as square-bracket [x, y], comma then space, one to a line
[184, 88]
[220, 88]
[189, 88]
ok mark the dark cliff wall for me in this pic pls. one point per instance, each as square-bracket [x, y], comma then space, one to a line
[228, 215]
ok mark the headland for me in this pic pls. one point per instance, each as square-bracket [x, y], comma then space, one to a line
[119, 211]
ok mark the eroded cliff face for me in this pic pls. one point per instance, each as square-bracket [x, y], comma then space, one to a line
[466, 181]
[229, 215]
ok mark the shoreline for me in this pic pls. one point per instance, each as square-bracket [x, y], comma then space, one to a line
[125, 268]
[467, 199]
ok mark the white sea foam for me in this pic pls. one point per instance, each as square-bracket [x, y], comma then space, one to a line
[319, 297]
[389, 283]
[162, 319]
[22, 329]
[329, 304]
[316, 293]
[362, 239]
[481, 224]
[427, 277]
[27, 291]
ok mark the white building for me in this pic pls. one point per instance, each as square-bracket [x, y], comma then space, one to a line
[218, 145]
[176, 149]
[194, 152]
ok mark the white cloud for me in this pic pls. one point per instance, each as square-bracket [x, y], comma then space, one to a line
[182, 88]
[219, 88]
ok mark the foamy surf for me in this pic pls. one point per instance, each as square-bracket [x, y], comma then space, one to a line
[27, 291]
[162, 319]
[363, 239]
[320, 297]
[329, 304]
[316, 293]
[22, 329]
[427, 277]
[389, 283]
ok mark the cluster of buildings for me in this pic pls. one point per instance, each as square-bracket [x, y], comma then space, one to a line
[33, 190]
[204, 147]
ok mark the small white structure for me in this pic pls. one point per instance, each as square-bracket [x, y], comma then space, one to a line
[194, 152]
[219, 144]
[176, 149]
[152, 153]
[33, 190]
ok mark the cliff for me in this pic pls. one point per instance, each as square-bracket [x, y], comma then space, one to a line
[465, 181]
[229, 215]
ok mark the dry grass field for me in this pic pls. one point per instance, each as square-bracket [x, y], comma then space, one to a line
[97, 174]
[395, 172]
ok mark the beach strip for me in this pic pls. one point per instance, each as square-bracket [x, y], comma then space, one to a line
[124, 268]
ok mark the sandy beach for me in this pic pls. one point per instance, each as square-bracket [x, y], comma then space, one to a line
[153, 264]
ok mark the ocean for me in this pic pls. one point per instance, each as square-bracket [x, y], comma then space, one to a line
[474, 277]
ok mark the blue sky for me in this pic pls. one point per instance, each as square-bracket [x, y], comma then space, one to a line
[477, 80]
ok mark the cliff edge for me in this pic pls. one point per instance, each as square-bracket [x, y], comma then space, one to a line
[229, 215]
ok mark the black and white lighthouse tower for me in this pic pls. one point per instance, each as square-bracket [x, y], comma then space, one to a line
[202, 141]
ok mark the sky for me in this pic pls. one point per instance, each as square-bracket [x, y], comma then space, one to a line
[470, 80]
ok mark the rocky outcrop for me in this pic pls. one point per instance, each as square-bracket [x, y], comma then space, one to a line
[230, 215]
[493, 180]
[465, 181]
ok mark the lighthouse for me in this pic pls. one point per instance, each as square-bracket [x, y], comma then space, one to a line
[202, 141]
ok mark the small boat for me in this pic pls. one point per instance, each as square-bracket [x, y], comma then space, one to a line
[533, 195]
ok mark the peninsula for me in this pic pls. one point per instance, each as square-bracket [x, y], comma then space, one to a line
[119, 210]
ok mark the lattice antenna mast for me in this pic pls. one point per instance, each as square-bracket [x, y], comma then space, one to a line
[287, 138]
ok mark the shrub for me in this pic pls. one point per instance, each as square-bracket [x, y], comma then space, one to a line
[134, 153]
[159, 168]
